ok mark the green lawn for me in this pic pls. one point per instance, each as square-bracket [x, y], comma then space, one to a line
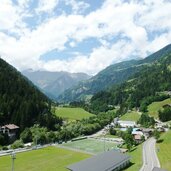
[47, 159]
[136, 159]
[90, 145]
[154, 107]
[131, 116]
[164, 153]
[72, 113]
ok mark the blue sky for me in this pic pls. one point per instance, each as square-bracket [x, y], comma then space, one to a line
[81, 35]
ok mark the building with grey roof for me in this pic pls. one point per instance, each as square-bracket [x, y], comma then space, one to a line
[158, 169]
[112, 160]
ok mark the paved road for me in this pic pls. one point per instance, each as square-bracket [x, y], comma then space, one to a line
[150, 159]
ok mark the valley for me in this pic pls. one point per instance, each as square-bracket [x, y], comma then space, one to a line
[119, 116]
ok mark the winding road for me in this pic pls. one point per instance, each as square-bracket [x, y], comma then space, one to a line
[150, 159]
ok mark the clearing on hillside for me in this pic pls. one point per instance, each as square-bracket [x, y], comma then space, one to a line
[154, 107]
[72, 113]
[46, 159]
[131, 116]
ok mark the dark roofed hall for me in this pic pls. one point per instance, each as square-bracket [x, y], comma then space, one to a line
[157, 169]
[107, 161]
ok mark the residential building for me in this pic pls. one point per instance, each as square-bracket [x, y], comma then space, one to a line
[10, 129]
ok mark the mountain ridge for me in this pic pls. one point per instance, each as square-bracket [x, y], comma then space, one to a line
[54, 83]
[112, 75]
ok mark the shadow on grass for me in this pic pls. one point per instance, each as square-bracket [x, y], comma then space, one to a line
[133, 149]
[130, 164]
[160, 140]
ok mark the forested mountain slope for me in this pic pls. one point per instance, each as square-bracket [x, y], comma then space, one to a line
[112, 75]
[20, 101]
[141, 89]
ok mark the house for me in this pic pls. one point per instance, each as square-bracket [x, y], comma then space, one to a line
[147, 132]
[138, 138]
[10, 129]
[126, 124]
[158, 169]
[112, 160]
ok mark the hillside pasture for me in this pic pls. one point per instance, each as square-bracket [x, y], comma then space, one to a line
[131, 116]
[154, 107]
[46, 159]
[72, 113]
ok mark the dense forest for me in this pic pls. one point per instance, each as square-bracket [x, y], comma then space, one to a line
[21, 102]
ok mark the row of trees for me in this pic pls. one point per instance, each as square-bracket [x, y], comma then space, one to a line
[68, 131]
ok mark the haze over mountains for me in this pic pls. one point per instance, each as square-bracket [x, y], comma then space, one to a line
[54, 83]
[67, 87]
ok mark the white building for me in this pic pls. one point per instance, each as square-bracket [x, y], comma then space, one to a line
[126, 124]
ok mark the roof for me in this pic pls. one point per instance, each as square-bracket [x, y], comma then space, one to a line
[127, 122]
[11, 126]
[137, 137]
[105, 161]
[157, 169]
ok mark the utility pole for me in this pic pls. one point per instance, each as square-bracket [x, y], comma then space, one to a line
[13, 157]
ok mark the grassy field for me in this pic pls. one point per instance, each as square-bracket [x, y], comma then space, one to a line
[47, 159]
[154, 107]
[90, 145]
[131, 116]
[72, 113]
[136, 159]
[164, 153]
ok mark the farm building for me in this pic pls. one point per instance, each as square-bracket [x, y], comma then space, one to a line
[111, 161]
[126, 124]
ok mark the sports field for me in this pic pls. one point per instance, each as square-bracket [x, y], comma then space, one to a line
[154, 107]
[47, 159]
[164, 148]
[72, 113]
[91, 145]
[131, 116]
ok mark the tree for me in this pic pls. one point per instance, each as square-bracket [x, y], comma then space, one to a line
[146, 121]
[112, 131]
[26, 135]
[156, 134]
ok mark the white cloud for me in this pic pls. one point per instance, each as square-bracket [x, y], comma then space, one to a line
[130, 25]
[47, 6]
[77, 6]
[8, 15]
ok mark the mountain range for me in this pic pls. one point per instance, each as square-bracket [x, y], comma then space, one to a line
[54, 83]
[113, 75]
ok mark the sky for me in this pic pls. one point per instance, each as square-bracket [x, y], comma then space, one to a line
[81, 35]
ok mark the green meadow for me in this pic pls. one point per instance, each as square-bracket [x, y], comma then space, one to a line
[72, 113]
[154, 107]
[131, 116]
[164, 152]
[46, 159]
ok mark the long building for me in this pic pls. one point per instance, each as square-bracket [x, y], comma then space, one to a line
[108, 161]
